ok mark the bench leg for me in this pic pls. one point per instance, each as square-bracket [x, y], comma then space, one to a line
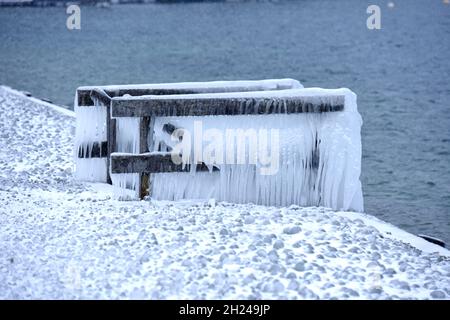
[111, 138]
[145, 135]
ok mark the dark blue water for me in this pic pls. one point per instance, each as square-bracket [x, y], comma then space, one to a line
[401, 73]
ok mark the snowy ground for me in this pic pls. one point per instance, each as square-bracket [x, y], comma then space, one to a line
[63, 239]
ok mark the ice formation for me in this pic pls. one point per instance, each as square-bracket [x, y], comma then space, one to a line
[319, 159]
[91, 124]
[319, 154]
[90, 129]
[210, 86]
[127, 141]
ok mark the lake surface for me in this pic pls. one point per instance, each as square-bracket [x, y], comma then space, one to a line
[401, 73]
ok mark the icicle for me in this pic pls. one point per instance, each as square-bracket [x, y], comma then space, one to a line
[126, 185]
[319, 165]
[90, 129]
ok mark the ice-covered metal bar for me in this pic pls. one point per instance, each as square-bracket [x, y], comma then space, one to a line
[149, 163]
[85, 99]
[201, 105]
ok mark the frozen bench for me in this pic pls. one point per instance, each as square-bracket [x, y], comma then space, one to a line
[334, 185]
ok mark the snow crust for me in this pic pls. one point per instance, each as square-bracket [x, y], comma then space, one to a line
[267, 84]
[317, 95]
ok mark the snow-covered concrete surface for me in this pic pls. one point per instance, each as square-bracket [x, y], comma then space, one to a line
[62, 239]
